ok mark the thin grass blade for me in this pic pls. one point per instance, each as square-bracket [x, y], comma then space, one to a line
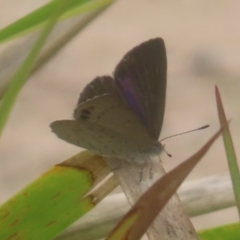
[21, 75]
[39, 17]
[229, 149]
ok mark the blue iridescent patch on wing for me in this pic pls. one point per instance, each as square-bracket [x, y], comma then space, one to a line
[130, 95]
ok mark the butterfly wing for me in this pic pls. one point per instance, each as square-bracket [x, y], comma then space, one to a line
[95, 138]
[107, 126]
[97, 87]
[141, 78]
[110, 111]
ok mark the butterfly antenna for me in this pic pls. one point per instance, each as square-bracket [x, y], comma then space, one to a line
[203, 127]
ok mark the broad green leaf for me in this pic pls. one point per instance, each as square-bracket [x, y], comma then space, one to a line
[56, 199]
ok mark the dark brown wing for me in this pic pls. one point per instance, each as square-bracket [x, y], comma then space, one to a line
[141, 78]
[97, 87]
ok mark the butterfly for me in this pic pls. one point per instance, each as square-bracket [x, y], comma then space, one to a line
[122, 115]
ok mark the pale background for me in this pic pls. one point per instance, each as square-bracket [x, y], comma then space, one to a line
[203, 48]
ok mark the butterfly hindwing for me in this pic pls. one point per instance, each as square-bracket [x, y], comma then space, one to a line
[95, 138]
[111, 111]
[104, 124]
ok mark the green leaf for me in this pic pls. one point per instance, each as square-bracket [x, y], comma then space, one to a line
[56, 199]
[21, 75]
[229, 232]
[46, 206]
[40, 16]
[229, 149]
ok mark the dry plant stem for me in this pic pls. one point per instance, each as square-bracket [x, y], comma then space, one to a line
[82, 229]
[173, 223]
[198, 197]
[207, 195]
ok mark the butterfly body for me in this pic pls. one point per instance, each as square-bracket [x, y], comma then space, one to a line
[110, 117]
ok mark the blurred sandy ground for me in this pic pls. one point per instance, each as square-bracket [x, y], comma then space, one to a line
[202, 39]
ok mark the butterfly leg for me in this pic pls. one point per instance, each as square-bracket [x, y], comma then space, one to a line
[151, 169]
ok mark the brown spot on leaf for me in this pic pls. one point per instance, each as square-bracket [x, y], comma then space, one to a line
[12, 224]
[51, 223]
[71, 188]
[13, 236]
[5, 215]
[56, 195]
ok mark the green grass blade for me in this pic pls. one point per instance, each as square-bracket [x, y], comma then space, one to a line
[229, 149]
[21, 75]
[40, 16]
[83, 8]
[18, 52]
[228, 232]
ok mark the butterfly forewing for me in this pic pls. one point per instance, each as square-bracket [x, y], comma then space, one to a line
[95, 138]
[141, 77]
[97, 87]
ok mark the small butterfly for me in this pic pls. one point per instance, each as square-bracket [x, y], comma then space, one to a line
[122, 116]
